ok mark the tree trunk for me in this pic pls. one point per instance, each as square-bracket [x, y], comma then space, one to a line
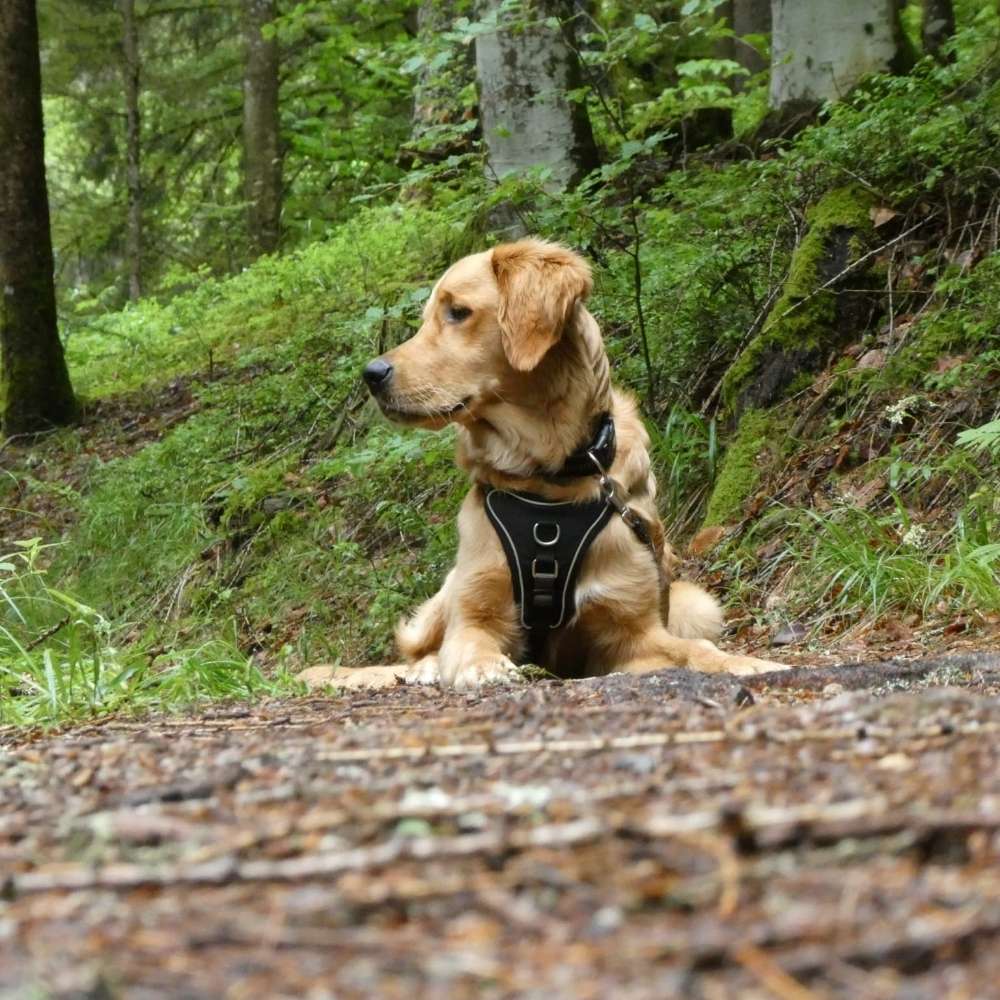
[821, 49]
[829, 299]
[438, 91]
[262, 155]
[939, 25]
[750, 17]
[524, 76]
[35, 391]
[133, 176]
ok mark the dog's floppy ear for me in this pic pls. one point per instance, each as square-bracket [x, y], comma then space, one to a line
[540, 284]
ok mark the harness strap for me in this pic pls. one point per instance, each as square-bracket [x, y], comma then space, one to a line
[545, 542]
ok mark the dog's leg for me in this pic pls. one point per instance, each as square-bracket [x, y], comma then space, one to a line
[472, 655]
[656, 649]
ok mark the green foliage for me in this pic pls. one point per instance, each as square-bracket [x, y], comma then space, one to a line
[984, 439]
[867, 564]
[279, 499]
[741, 469]
[59, 659]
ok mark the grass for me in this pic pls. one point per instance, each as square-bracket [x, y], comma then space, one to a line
[60, 661]
[865, 564]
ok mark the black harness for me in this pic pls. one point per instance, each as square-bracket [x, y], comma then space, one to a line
[545, 541]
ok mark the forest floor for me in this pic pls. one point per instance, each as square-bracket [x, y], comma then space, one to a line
[825, 832]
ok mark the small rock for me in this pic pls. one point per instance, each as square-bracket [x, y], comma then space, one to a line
[606, 920]
[637, 763]
[832, 690]
[895, 762]
[872, 359]
[790, 634]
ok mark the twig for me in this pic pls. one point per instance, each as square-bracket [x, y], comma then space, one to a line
[331, 864]
[47, 634]
[771, 975]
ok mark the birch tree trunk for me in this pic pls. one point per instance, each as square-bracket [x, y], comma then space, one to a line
[524, 75]
[822, 48]
[133, 152]
[262, 156]
[35, 391]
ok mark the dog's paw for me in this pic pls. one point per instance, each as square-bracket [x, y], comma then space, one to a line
[483, 670]
[351, 678]
[426, 670]
[745, 666]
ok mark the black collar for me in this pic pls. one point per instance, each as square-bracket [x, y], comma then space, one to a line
[593, 458]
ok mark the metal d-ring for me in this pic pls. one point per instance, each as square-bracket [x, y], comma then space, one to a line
[539, 524]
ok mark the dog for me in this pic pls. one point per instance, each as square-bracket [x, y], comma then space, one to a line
[508, 353]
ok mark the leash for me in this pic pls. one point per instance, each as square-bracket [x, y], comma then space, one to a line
[612, 491]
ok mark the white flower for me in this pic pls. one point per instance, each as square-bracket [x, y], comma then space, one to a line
[897, 412]
[916, 536]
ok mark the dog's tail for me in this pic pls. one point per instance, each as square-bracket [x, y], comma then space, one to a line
[422, 634]
[694, 614]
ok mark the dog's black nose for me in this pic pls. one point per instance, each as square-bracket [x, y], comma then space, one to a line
[377, 374]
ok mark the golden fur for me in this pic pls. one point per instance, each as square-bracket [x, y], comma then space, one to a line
[508, 352]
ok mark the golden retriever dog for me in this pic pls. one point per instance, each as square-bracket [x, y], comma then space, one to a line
[508, 353]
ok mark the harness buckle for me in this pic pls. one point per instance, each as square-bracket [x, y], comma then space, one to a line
[540, 574]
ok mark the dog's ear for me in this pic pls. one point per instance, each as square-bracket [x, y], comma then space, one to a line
[540, 284]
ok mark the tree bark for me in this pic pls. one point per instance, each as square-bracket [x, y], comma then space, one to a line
[262, 153]
[524, 76]
[133, 175]
[437, 92]
[750, 17]
[821, 49]
[35, 391]
[939, 25]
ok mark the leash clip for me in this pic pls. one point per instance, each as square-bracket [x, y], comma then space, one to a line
[610, 490]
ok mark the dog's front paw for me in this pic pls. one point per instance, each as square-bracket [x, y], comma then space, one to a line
[745, 666]
[476, 671]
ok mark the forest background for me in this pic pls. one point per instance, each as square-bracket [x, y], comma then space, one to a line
[793, 214]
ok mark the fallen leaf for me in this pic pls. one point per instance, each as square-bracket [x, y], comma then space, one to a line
[946, 363]
[791, 634]
[707, 539]
[880, 215]
[895, 762]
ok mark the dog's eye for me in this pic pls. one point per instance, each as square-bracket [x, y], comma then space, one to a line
[456, 314]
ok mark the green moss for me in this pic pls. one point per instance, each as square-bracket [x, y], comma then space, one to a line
[803, 317]
[740, 472]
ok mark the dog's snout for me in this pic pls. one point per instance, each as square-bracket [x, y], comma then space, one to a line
[377, 374]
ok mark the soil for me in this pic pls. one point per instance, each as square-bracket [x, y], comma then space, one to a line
[825, 832]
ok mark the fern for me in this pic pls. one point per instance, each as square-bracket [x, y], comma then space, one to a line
[982, 439]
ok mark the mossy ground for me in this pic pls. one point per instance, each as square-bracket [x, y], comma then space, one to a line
[803, 322]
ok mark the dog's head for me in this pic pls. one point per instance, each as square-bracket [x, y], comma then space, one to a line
[488, 327]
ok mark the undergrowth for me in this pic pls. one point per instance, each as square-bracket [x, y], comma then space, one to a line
[282, 523]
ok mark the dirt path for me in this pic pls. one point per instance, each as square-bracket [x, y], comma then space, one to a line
[821, 833]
